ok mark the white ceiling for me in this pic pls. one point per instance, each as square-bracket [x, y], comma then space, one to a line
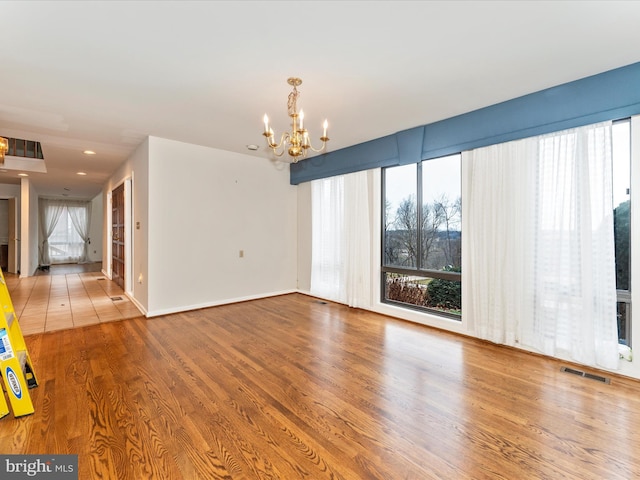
[104, 75]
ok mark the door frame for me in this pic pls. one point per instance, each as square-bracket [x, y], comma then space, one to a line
[128, 240]
[13, 223]
[14, 239]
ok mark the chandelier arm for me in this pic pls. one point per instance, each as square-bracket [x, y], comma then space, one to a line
[324, 144]
[275, 146]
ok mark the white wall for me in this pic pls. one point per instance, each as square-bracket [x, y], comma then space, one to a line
[304, 237]
[96, 229]
[207, 205]
[8, 191]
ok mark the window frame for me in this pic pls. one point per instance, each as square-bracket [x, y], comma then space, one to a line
[624, 296]
[418, 271]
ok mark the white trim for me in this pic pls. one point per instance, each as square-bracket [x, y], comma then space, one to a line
[186, 308]
[106, 269]
[137, 304]
[128, 235]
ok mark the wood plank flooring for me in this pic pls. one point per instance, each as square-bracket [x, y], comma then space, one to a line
[67, 297]
[292, 388]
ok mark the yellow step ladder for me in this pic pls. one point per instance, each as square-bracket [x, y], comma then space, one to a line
[15, 364]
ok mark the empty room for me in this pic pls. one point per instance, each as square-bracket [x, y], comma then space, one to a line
[319, 240]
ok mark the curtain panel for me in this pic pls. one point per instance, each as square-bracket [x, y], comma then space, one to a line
[80, 215]
[538, 249]
[341, 259]
[56, 217]
[50, 211]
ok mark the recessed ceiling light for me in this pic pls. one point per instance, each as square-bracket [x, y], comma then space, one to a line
[252, 147]
[23, 174]
[89, 152]
[81, 173]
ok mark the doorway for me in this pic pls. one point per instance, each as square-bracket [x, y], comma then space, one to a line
[8, 235]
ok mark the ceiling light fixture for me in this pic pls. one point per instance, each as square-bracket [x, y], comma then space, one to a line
[89, 152]
[295, 143]
[82, 173]
[4, 147]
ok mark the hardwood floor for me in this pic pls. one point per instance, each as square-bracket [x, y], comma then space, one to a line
[67, 296]
[292, 388]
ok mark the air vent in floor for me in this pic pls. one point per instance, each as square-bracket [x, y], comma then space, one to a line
[115, 299]
[580, 373]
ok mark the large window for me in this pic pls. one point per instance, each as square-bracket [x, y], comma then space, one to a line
[65, 243]
[421, 260]
[64, 230]
[621, 134]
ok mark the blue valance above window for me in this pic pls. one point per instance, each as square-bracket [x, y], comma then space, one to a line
[610, 95]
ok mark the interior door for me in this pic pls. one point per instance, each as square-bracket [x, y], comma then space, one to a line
[117, 236]
[13, 236]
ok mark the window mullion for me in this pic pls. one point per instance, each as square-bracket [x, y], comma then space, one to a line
[419, 219]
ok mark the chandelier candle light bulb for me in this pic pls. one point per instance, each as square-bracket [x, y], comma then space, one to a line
[297, 142]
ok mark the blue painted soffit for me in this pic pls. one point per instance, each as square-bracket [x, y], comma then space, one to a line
[610, 95]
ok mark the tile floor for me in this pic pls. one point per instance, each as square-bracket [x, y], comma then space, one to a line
[57, 301]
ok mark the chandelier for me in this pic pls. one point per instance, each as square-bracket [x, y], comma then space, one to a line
[296, 143]
[4, 147]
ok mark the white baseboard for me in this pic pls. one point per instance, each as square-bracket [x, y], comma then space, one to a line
[186, 308]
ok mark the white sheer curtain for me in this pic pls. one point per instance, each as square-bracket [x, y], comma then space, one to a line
[497, 239]
[327, 207]
[340, 269]
[357, 242]
[575, 283]
[50, 211]
[539, 254]
[80, 214]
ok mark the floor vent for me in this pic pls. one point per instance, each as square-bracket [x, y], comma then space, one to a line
[115, 299]
[580, 373]
[101, 278]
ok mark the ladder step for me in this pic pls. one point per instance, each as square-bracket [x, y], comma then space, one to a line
[27, 371]
[9, 317]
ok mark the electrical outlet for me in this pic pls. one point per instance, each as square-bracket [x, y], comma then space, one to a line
[241, 254]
